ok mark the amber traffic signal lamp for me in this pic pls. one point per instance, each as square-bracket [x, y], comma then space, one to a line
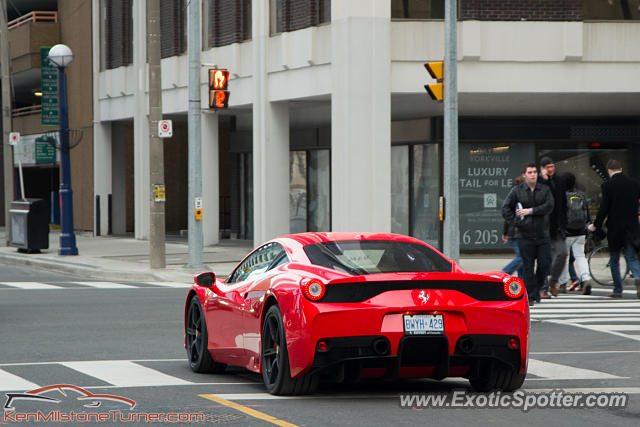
[436, 70]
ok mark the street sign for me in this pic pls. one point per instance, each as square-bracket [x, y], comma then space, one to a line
[14, 138]
[45, 152]
[165, 129]
[49, 78]
[159, 193]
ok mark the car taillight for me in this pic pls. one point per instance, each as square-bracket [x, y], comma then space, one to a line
[313, 289]
[513, 287]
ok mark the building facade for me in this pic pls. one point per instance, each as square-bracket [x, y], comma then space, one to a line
[329, 127]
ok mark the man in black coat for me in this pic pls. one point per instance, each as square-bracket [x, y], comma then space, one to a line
[527, 207]
[619, 206]
[557, 222]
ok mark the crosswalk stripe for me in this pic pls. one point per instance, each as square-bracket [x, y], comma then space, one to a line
[588, 310]
[31, 285]
[593, 305]
[556, 371]
[607, 327]
[601, 317]
[105, 285]
[125, 374]
[10, 382]
[170, 284]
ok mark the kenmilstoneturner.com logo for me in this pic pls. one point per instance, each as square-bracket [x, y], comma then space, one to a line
[93, 407]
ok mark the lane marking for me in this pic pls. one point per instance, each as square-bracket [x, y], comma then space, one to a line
[10, 382]
[594, 328]
[617, 327]
[585, 352]
[248, 411]
[597, 317]
[31, 285]
[169, 284]
[597, 305]
[586, 311]
[105, 285]
[125, 374]
[556, 371]
[627, 390]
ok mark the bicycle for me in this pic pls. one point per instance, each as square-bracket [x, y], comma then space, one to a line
[599, 265]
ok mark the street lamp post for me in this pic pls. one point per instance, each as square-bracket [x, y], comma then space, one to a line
[61, 56]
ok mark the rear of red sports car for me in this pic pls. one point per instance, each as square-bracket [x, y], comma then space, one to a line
[389, 308]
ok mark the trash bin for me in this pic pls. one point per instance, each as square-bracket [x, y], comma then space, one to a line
[29, 225]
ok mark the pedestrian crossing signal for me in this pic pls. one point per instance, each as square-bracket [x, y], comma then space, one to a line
[218, 99]
[218, 93]
[436, 70]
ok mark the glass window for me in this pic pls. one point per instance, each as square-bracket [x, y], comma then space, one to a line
[400, 189]
[611, 9]
[319, 187]
[486, 176]
[275, 14]
[258, 262]
[359, 257]
[417, 9]
[425, 221]
[309, 191]
[588, 164]
[324, 11]
[298, 191]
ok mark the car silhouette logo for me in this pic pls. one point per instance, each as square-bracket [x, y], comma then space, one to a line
[93, 400]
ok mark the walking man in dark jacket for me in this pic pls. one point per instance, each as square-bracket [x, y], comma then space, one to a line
[619, 206]
[557, 222]
[528, 206]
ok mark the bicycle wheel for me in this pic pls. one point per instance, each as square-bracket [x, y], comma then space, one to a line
[599, 266]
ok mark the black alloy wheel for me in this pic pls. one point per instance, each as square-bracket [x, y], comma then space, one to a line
[200, 359]
[275, 359]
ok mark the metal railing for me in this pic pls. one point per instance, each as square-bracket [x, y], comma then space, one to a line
[35, 16]
[26, 111]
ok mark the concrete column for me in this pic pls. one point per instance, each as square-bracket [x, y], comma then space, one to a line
[102, 173]
[102, 160]
[361, 115]
[270, 141]
[142, 185]
[210, 179]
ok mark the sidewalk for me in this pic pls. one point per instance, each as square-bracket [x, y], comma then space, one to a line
[125, 258]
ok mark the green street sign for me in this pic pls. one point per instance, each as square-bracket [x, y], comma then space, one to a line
[49, 75]
[45, 152]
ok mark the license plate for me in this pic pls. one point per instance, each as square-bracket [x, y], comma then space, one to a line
[423, 324]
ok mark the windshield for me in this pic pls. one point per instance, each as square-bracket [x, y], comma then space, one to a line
[376, 256]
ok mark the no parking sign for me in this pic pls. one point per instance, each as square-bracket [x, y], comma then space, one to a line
[165, 129]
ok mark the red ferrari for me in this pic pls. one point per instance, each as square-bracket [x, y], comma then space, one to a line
[345, 306]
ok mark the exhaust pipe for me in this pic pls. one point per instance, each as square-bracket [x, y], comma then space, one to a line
[381, 346]
[465, 345]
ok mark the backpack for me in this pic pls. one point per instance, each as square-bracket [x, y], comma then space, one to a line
[576, 211]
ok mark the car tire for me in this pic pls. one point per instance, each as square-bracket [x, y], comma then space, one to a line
[197, 337]
[276, 373]
[497, 378]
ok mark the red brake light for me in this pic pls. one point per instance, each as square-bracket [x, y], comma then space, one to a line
[513, 287]
[313, 289]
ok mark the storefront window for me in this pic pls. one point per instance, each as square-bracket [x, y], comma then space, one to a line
[309, 186]
[400, 189]
[486, 176]
[425, 222]
[588, 164]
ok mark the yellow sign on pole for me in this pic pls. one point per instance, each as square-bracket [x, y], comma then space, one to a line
[159, 193]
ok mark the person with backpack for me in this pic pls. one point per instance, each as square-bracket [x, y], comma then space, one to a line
[578, 219]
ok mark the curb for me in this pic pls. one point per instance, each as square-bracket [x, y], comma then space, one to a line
[78, 270]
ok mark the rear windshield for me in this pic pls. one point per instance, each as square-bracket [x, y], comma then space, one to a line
[376, 256]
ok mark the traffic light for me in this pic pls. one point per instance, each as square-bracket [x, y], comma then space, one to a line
[218, 93]
[436, 70]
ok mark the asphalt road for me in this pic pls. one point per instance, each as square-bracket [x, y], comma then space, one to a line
[127, 341]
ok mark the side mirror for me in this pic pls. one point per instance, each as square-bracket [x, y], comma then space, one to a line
[205, 279]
